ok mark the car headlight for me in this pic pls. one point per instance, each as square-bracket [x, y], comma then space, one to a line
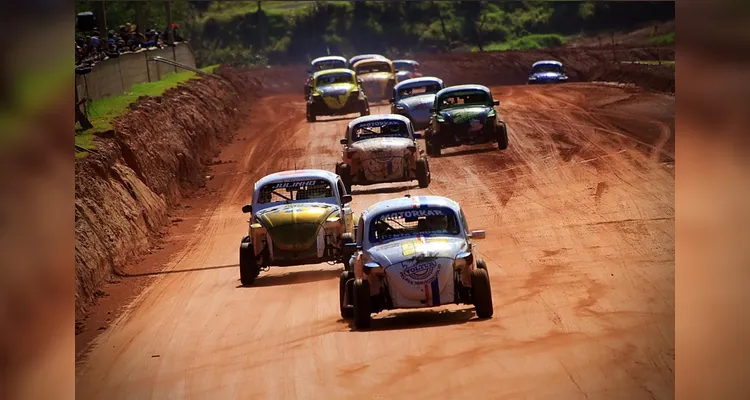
[532, 78]
[440, 119]
[316, 94]
[399, 107]
[463, 260]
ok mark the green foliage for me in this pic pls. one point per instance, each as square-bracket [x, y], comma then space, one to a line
[240, 33]
[529, 42]
[103, 111]
[667, 38]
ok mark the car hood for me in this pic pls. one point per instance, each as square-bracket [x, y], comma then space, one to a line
[463, 115]
[375, 77]
[337, 89]
[418, 102]
[547, 75]
[390, 146]
[413, 249]
[295, 226]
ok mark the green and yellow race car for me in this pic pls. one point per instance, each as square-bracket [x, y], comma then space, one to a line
[336, 92]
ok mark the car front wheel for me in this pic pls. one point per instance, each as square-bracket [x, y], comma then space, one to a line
[481, 293]
[248, 264]
[423, 173]
[362, 306]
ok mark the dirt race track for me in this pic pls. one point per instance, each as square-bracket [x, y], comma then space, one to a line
[579, 214]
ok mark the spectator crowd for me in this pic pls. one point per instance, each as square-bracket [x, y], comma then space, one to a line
[93, 47]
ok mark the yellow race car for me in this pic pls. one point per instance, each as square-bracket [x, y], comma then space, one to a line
[378, 77]
[336, 92]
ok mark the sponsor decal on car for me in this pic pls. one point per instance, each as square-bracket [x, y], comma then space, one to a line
[416, 272]
[280, 185]
[378, 123]
[421, 212]
[410, 248]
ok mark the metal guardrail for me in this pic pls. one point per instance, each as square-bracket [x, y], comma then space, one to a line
[181, 65]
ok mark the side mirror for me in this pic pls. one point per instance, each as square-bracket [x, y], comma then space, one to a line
[347, 198]
[359, 81]
[247, 208]
[477, 234]
[343, 141]
[432, 110]
[496, 102]
[417, 135]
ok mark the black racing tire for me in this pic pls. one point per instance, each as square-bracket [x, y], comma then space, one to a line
[502, 136]
[248, 264]
[346, 312]
[346, 252]
[481, 292]
[364, 108]
[433, 149]
[346, 176]
[362, 304]
[423, 173]
[311, 117]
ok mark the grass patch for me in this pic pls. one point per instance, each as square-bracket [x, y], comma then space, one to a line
[103, 111]
[667, 38]
[529, 42]
[223, 11]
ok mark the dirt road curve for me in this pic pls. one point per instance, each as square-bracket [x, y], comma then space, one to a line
[579, 214]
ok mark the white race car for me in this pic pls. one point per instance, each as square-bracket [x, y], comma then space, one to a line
[382, 148]
[413, 99]
[413, 252]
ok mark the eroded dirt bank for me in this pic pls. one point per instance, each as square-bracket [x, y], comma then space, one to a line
[155, 155]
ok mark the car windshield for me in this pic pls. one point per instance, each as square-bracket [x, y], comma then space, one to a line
[463, 98]
[330, 79]
[417, 90]
[373, 67]
[404, 66]
[546, 68]
[290, 190]
[329, 64]
[429, 221]
[382, 128]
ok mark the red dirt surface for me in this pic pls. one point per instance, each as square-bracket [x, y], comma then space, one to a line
[579, 214]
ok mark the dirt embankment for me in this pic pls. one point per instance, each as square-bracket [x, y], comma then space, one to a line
[156, 154]
[582, 65]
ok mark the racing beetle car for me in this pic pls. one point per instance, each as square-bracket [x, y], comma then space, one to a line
[360, 57]
[406, 69]
[382, 148]
[547, 71]
[378, 77]
[336, 92]
[322, 64]
[464, 115]
[413, 252]
[413, 99]
[297, 217]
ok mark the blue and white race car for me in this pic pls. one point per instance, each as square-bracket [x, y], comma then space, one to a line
[413, 98]
[413, 252]
[547, 71]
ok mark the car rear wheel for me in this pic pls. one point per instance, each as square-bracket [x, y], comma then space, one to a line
[346, 312]
[502, 136]
[248, 264]
[345, 172]
[481, 292]
[433, 149]
[362, 306]
[311, 117]
[364, 109]
[423, 173]
[346, 252]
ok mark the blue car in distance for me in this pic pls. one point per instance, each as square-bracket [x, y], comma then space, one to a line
[547, 71]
